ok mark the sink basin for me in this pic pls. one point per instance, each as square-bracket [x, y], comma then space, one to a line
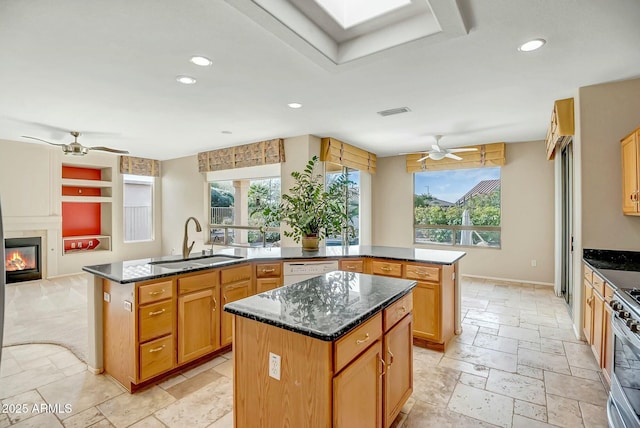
[195, 262]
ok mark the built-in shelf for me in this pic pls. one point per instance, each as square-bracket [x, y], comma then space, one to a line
[86, 195]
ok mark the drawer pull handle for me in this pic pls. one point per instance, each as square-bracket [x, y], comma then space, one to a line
[161, 311]
[359, 341]
[268, 270]
[422, 273]
[402, 309]
[155, 293]
[385, 268]
[384, 368]
[351, 267]
[225, 298]
[158, 349]
[391, 357]
[215, 304]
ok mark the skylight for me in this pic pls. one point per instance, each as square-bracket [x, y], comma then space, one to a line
[349, 13]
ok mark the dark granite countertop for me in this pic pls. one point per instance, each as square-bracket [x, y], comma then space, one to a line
[620, 269]
[325, 307]
[142, 270]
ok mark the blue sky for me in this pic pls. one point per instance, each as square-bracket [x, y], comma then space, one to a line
[451, 185]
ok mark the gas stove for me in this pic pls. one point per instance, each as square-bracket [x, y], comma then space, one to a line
[634, 293]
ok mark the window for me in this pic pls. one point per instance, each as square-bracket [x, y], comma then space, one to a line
[457, 207]
[138, 208]
[352, 200]
[240, 203]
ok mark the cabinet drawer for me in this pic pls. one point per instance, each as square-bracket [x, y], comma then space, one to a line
[608, 293]
[268, 270]
[188, 284]
[356, 341]
[588, 274]
[235, 274]
[352, 265]
[155, 320]
[153, 292]
[598, 284]
[156, 357]
[397, 311]
[386, 268]
[422, 273]
[266, 284]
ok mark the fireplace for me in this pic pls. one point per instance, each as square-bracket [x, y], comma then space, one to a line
[22, 259]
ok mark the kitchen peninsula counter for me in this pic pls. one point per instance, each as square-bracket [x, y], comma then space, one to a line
[334, 350]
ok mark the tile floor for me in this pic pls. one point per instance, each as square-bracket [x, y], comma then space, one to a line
[517, 364]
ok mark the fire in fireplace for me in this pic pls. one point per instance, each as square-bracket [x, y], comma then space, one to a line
[22, 259]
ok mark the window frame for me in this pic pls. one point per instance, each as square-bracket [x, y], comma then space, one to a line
[151, 183]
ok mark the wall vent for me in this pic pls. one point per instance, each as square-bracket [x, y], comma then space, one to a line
[393, 111]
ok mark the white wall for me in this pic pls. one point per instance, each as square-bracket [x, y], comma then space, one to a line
[527, 215]
[30, 189]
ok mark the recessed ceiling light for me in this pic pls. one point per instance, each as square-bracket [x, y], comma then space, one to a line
[186, 80]
[201, 61]
[532, 45]
[294, 105]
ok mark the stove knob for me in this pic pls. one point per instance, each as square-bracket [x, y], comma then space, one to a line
[624, 315]
[631, 322]
[615, 305]
[635, 327]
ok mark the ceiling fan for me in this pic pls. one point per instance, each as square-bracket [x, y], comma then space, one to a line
[76, 148]
[438, 153]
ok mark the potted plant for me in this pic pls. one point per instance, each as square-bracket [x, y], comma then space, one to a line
[312, 211]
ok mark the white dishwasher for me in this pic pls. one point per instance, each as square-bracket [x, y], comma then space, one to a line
[299, 271]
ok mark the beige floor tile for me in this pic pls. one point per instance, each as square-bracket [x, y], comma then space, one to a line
[193, 384]
[533, 372]
[82, 391]
[425, 415]
[552, 346]
[102, 424]
[427, 355]
[501, 319]
[474, 303]
[564, 334]
[482, 356]
[473, 380]
[480, 404]
[519, 333]
[35, 363]
[529, 326]
[593, 416]
[468, 335]
[480, 323]
[9, 366]
[42, 420]
[516, 386]
[125, 409]
[408, 405]
[543, 360]
[433, 385]
[475, 369]
[228, 355]
[84, 419]
[34, 352]
[530, 410]
[488, 330]
[29, 379]
[499, 309]
[497, 343]
[174, 380]
[523, 422]
[563, 412]
[541, 320]
[204, 367]
[225, 369]
[148, 422]
[4, 420]
[201, 408]
[585, 373]
[575, 388]
[74, 369]
[64, 359]
[580, 355]
[525, 344]
[224, 422]
[21, 407]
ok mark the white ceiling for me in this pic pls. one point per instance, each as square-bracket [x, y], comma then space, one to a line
[109, 66]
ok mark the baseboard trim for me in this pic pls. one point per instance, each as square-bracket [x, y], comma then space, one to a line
[546, 284]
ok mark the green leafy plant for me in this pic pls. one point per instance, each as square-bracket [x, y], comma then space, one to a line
[310, 209]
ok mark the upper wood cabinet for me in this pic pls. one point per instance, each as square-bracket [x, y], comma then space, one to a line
[631, 173]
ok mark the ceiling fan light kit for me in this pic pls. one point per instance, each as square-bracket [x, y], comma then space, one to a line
[438, 153]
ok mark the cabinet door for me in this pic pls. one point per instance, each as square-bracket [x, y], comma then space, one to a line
[198, 324]
[426, 311]
[357, 391]
[231, 293]
[398, 380]
[629, 175]
[587, 319]
[597, 304]
[607, 343]
[266, 284]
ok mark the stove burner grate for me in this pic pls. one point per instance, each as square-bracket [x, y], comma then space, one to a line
[634, 293]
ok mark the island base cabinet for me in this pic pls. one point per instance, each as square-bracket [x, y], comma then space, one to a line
[357, 391]
[398, 376]
[198, 324]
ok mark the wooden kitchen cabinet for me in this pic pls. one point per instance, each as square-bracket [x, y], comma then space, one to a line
[198, 323]
[631, 173]
[352, 265]
[235, 285]
[596, 320]
[587, 309]
[398, 376]
[268, 276]
[607, 343]
[598, 314]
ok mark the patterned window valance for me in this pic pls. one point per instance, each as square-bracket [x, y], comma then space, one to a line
[254, 154]
[344, 154]
[139, 166]
[486, 155]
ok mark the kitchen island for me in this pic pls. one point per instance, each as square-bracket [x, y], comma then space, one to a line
[331, 351]
[152, 317]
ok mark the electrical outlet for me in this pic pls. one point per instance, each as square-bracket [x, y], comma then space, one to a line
[106, 297]
[274, 366]
[534, 263]
[128, 306]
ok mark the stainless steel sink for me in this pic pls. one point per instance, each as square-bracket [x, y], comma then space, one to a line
[195, 262]
[215, 259]
[178, 265]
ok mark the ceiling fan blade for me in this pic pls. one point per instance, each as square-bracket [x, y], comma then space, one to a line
[452, 156]
[44, 141]
[423, 158]
[462, 150]
[436, 147]
[107, 149]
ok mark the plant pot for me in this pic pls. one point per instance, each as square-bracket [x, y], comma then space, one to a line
[310, 243]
